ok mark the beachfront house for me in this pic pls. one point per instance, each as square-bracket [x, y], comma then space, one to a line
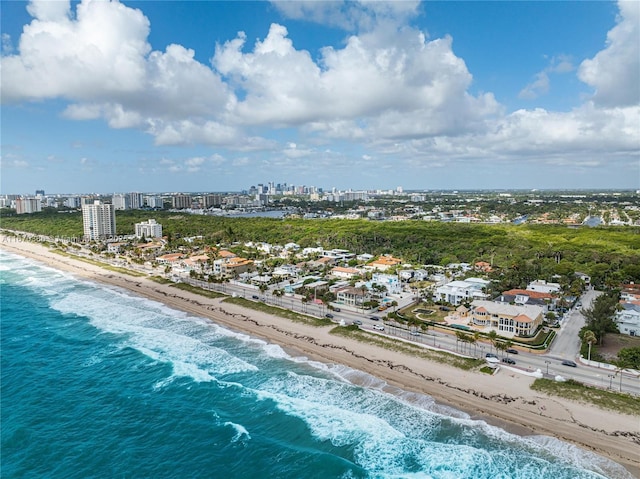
[507, 319]
[352, 296]
[628, 318]
[455, 292]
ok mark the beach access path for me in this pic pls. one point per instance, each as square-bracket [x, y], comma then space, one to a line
[504, 399]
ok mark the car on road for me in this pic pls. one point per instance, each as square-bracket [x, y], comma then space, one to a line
[357, 321]
[255, 296]
[508, 361]
[415, 333]
[490, 355]
[328, 315]
[512, 351]
[374, 318]
[337, 310]
[378, 328]
[566, 362]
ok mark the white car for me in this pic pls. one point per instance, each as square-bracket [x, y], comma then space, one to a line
[378, 328]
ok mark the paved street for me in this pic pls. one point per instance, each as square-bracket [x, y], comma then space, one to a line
[565, 346]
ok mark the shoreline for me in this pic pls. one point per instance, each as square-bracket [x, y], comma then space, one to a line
[504, 400]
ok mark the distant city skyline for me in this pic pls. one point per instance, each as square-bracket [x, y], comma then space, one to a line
[207, 96]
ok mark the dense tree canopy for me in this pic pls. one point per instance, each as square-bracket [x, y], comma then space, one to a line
[600, 316]
[610, 255]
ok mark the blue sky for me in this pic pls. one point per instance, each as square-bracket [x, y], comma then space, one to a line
[217, 96]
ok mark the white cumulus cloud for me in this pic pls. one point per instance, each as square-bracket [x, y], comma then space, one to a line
[614, 72]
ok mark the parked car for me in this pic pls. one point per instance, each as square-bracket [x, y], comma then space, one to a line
[378, 328]
[508, 361]
[490, 355]
[357, 321]
[328, 315]
[382, 307]
[512, 351]
[566, 362]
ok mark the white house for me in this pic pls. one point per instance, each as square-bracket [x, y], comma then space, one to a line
[346, 273]
[389, 281]
[286, 270]
[542, 286]
[457, 291]
[628, 319]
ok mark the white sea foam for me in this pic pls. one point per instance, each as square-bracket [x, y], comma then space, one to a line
[582, 458]
[240, 431]
[165, 338]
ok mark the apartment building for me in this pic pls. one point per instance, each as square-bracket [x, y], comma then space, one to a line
[28, 205]
[148, 229]
[98, 220]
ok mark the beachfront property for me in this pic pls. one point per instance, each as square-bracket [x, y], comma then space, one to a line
[352, 296]
[148, 229]
[286, 271]
[507, 319]
[232, 266]
[628, 318]
[455, 292]
[170, 259]
[390, 282]
[98, 220]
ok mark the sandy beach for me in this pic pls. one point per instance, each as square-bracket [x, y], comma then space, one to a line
[504, 399]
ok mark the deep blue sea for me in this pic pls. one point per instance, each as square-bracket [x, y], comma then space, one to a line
[97, 383]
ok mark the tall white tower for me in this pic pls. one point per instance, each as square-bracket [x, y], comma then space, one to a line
[98, 220]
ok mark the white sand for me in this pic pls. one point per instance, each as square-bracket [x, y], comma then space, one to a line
[504, 399]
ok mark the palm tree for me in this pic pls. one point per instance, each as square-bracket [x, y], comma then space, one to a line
[493, 337]
[589, 337]
[507, 345]
[501, 346]
[476, 338]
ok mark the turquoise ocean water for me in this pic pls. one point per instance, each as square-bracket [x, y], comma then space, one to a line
[97, 383]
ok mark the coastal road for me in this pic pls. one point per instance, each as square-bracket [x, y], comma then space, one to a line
[549, 364]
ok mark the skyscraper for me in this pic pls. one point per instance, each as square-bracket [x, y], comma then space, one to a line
[28, 205]
[98, 220]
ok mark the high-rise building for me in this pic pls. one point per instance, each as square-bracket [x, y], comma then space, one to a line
[180, 202]
[98, 220]
[148, 229]
[72, 202]
[39, 192]
[121, 202]
[136, 200]
[154, 201]
[28, 205]
[209, 201]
